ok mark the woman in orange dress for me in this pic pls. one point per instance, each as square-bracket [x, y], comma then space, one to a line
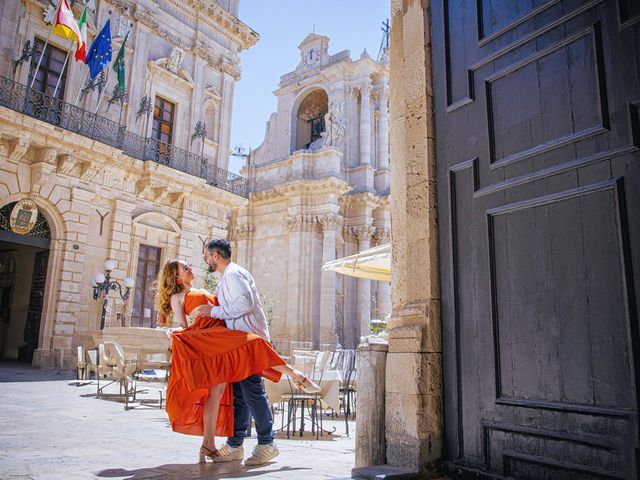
[206, 358]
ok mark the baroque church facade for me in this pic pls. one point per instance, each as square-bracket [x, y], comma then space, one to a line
[320, 190]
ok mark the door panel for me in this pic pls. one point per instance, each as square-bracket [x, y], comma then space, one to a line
[537, 107]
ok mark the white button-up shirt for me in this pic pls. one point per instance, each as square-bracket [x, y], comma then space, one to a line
[239, 302]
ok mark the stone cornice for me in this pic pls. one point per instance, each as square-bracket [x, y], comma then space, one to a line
[198, 45]
[315, 187]
[223, 22]
[365, 198]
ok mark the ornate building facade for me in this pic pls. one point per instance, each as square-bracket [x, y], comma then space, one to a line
[113, 176]
[320, 190]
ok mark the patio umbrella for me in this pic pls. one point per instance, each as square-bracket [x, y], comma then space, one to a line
[374, 264]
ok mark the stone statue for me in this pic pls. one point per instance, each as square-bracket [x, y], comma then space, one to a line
[335, 124]
[175, 60]
[334, 128]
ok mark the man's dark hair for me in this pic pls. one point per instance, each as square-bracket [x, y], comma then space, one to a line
[221, 246]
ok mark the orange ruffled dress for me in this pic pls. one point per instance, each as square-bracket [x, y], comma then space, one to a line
[206, 354]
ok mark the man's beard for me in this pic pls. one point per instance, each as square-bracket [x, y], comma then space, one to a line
[212, 268]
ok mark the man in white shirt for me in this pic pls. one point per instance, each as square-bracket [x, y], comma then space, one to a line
[241, 310]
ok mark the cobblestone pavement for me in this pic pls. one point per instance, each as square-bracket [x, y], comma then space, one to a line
[52, 427]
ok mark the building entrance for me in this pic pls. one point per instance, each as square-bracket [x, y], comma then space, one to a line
[24, 258]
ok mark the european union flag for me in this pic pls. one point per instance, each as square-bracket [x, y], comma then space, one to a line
[99, 53]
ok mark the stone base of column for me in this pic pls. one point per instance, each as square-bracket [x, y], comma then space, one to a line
[413, 396]
[370, 421]
[56, 358]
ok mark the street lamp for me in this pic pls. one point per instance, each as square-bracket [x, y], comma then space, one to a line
[103, 283]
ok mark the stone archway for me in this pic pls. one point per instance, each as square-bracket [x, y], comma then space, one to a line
[24, 264]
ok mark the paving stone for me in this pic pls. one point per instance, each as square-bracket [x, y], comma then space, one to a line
[52, 427]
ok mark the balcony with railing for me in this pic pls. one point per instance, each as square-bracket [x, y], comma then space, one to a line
[43, 107]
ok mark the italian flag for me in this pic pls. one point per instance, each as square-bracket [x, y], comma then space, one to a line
[81, 51]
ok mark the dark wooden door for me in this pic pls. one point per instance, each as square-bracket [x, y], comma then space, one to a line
[537, 106]
[34, 312]
[143, 313]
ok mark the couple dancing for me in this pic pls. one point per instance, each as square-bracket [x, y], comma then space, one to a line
[218, 362]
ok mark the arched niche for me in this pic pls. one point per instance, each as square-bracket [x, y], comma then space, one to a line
[308, 118]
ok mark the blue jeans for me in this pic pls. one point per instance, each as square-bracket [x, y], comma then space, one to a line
[250, 400]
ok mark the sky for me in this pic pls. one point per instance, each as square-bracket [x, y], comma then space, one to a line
[282, 25]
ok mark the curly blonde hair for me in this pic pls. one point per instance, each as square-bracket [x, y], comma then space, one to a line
[167, 286]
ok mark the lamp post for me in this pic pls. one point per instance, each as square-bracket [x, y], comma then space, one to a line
[103, 283]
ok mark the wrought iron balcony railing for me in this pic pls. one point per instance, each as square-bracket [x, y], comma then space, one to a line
[38, 105]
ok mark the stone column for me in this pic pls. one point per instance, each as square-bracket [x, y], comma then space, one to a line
[243, 235]
[363, 300]
[298, 326]
[383, 131]
[371, 367]
[329, 223]
[384, 288]
[365, 124]
[414, 421]
[230, 73]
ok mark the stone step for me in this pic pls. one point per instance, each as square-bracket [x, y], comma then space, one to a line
[384, 472]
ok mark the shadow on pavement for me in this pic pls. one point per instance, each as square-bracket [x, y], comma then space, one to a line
[196, 471]
[14, 371]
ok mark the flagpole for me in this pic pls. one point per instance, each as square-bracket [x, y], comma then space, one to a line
[53, 97]
[61, 73]
[106, 86]
[84, 79]
[45, 45]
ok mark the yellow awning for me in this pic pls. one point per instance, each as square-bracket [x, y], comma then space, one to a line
[374, 264]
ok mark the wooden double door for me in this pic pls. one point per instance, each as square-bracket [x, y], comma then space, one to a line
[537, 106]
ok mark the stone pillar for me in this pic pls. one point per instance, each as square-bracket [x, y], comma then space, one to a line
[243, 236]
[299, 320]
[383, 288]
[370, 441]
[363, 306]
[365, 124]
[414, 422]
[383, 131]
[120, 243]
[328, 338]
[230, 74]
[73, 285]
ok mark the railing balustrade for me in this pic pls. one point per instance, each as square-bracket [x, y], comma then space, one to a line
[39, 105]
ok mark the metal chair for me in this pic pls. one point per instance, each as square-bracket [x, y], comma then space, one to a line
[348, 387]
[313, 365]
